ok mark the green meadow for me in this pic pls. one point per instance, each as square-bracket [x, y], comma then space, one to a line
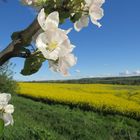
[38, 121]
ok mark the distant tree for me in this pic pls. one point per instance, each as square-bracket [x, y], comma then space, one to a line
[7, 84]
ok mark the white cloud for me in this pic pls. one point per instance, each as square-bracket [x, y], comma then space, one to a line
[128, 73]
[78, 71]
[91, 76]
[125, 73]
[137, 72]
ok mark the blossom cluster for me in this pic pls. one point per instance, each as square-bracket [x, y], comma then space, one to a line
[94, 11]
[54, 42]
[6, 109]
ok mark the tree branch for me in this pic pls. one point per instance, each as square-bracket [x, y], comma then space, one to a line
[20, 40]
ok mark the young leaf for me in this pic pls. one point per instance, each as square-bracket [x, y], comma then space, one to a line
[32, 64]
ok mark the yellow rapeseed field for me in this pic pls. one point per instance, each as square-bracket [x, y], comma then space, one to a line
[101, 97]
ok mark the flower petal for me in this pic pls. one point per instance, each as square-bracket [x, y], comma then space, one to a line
[96, 14]
[52, 21]
[89, 2]
[4, 98]
[95, 2]
[82, 22]
[56, 35]
[8, 119]
[41, 19]
[67, 62]
[66, 48]
[98, 3]
[68, 31]
[9, 109]
[63, 64]
[48, 22]
[36, 35]
[41, 44]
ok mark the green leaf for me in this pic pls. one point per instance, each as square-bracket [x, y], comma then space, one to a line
[63, 15]
[1, 127]
[32, 64]
[76, 17]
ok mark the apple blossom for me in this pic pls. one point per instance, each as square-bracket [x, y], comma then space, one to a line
[63, 64]
[6, 109]
[95, 12]
[54, 43]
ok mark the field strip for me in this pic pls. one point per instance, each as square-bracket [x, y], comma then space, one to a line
[99, 97]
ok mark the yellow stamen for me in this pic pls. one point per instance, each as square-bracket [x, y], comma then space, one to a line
[52, 46]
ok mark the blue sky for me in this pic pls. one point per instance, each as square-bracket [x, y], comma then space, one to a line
[112, 49]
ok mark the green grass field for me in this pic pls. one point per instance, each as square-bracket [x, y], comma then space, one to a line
[39, 121]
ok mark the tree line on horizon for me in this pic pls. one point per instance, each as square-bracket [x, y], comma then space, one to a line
[133, 80]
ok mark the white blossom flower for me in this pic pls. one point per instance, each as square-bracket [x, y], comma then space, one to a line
[54, 43]
[6, 109]
[95, 13]
[63, 64]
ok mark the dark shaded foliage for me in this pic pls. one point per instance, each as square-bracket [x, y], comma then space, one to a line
[131, 80]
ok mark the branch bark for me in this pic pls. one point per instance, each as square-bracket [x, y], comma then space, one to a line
[20, 40]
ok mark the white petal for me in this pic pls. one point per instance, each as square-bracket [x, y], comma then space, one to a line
[48, 22]
[41, 19]
[98, 2]
[36, 35]
[95, 2]
[41, 44]
[63, 64]
[89, 2]
[68, 31]
[56, 35]
[4, 98]
[96, 14]
[66, 62]
[82, 22]
[8, 119]
[54, 54]
[71, 60]
[53, 66]
[66, 48]
[96, 22]
[52, 20]
[9, 109]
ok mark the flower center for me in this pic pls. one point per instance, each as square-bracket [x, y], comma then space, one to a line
[52, 46]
